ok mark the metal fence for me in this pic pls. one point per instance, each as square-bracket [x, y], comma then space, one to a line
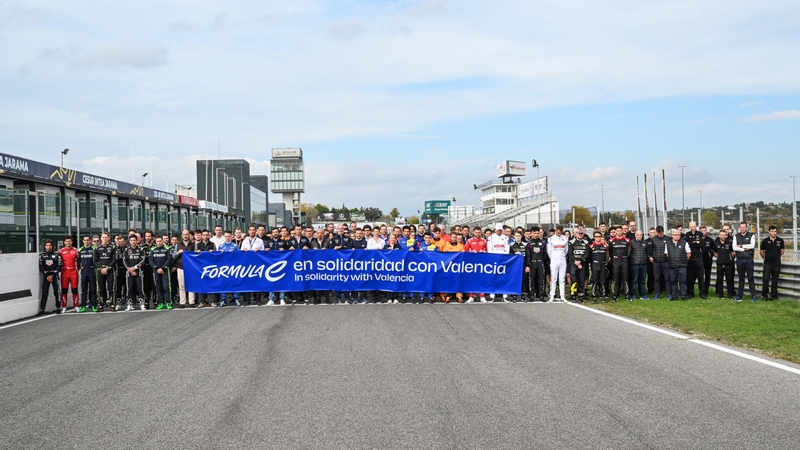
[788, 281]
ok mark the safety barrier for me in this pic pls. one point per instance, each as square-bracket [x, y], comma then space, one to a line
[788, 281]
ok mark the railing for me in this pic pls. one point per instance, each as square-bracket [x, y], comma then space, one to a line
[788, 281]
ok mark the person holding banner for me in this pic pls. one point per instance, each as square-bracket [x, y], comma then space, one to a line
[476, 244]
[454, 246]
[228, 246]
[283, 244]
[498, 244]
[319, 242]
[428, 246]
[519, 247]
[341, 241]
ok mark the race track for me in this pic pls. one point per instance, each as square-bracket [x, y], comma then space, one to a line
[382, 376]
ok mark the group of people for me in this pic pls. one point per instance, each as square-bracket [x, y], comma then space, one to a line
[147, 271]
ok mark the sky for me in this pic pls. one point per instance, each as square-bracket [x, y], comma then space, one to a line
[398, 102]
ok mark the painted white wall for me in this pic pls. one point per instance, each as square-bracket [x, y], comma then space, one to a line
[20, 271]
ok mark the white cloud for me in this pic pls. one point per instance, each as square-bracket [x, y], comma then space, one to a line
[123, 54]
[775, 115]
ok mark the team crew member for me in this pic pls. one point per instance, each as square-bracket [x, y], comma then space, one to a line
[620, 249]
[88, 277]
[475, 244]
[678, 251]
[639, 266]
[518, 247]
[454, 246]
[282, 244]
[578, 261]
[253, 243]
[161, 260]
[120, 283]
[723, 251]
[428, 246]
[557, 251]
[49, 267]
[599, 257]
[301, 241]
[147, 270]
[69, 273]
[186, 245]
[657, 255]
[135, 257]
[708, 258]
[341, 241]
[744, 244]
[205, 245]
[498, 243]
[534, 264]
[771, 250]
[105, 262]
[695, 269]
[228, 246]
[173, 271]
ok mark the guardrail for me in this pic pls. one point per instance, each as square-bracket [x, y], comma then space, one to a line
[788, 281]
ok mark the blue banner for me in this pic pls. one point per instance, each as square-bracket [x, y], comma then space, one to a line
[352, 270]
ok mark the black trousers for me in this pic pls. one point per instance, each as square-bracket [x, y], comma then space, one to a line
[135, 286]
[745, 269]
[707, 272]
[105, 285]
[651, 287]
[678, 275]
[46, 292]
[725, 271]
[662, 278]
[769, 282]
[536, 278]
[599, 278]
[88, 288]
[161, 282]
[619, 273]
[695, 272]
[149, 283]
[579, 276]
[121, 286]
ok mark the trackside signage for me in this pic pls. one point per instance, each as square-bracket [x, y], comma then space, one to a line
[304, 270]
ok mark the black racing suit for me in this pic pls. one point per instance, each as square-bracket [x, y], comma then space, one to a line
[620, 249]
[343, 242]
[120, 280]
[519, 247]
[49, 266]
[105, 258]
[300, 243]
[147, 275]
[598, 255]
[534, 260]
[161, 258]
[134, 259]
[88, 278]
[695, 270]
[577, 253]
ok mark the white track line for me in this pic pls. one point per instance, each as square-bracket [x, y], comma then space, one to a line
[27, 321]
[691, 339]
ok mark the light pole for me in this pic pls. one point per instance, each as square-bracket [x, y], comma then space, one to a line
[683, 201]
[794, 216]
[234, 191]
[602, 201]
[248, 184]
[216, 179]
[535, 165]
[700, 212]
[63, 153]
[144, 177]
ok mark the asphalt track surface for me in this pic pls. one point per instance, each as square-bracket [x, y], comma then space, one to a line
[381, 376]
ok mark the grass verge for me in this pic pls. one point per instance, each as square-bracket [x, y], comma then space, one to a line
[770, 328]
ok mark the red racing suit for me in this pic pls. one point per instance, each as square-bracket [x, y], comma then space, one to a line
[69, 274]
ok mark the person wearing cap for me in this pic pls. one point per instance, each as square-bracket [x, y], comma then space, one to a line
[578, 262]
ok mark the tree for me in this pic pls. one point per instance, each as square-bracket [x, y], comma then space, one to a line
[355, 210]
[394, 213]
[372, 214]
[322, 209]
[310, 210]
[582, 216]
[413, 220]
[710, 219]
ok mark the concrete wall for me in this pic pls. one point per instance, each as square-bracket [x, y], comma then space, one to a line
[18, 272]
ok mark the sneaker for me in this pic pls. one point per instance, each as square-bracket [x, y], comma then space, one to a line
[181, 306]
[294, 302]
[201, 305]
[118, 308]
[644, 297]
[237, 303]
[95, 309]
[754, 299]
[221, 305]
[160, 307]
[169, 305]
[396, 301]
[470, 300]
[307, 303]
[483, 299]
[551, 299]
[336, 302]
[82, 309]
[491, 296]
[563, 300]
[64, 310]
[270, 303]
[214, 305]
[143, 307]
[283, 303]
[363, 302]
[737, 299]
[129, 308]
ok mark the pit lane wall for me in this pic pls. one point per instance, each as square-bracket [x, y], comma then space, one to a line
[20, 286]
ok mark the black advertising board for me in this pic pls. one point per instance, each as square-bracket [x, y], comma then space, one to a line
[72, 178]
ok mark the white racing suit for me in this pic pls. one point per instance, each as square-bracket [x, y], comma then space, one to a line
[557, 251]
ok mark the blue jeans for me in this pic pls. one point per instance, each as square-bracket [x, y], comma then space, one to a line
[639, 284]
[222, 297]
[272, 295]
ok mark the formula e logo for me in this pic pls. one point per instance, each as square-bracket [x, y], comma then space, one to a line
[274, 269]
